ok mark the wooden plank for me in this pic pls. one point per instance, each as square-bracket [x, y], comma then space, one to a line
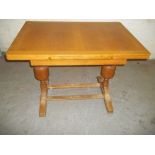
[76, 97]
[74, 85]
[77, 62]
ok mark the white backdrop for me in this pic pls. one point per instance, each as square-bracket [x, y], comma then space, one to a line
[143, 30]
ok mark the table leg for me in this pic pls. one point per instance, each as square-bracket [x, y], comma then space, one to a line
[42, 74]
[107, 72]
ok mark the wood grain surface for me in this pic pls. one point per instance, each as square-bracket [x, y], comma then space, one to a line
[75, 40]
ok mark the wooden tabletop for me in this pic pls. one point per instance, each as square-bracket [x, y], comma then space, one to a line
[75, 40]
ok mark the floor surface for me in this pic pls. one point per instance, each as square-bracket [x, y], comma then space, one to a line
[132, 92]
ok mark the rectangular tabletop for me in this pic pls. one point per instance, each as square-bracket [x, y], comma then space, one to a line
[75, 40]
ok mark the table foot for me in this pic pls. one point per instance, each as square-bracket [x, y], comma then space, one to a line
[43, 98]
[107, 72]
[42, 74]
[107, 100]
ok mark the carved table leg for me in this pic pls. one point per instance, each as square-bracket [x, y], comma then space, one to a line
[42, 74]
[107, 72]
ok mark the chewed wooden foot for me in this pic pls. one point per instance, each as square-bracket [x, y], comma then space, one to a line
[106, 95]
[43, 98]
[42, 110]
[107, 72]
[107, 100]
[41, 74]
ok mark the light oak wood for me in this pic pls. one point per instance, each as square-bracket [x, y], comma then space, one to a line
[77, 62]
[73, 85]
[42, 74]
[74, 41]
[107, 99]
[44, 44]
[76, 97]
[107, 73]
[43, 98]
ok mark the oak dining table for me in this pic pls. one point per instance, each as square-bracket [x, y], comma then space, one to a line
[45, 44]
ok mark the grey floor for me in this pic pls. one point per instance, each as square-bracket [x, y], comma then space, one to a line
[132, 92]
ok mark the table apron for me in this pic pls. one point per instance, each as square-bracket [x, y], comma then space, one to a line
[77, 62]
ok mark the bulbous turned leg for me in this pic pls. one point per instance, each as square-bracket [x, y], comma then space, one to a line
[42, 74]
[107, 72]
